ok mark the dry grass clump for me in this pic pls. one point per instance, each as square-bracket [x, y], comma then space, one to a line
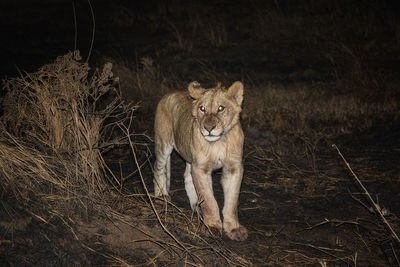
[57, 122]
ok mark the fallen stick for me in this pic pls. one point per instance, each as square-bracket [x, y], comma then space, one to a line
[374, 204]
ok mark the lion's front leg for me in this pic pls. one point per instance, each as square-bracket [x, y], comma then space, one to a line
[208, 204]
[231, 181]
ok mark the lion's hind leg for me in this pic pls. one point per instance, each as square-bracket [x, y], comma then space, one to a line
[162, 170]
[189, 186]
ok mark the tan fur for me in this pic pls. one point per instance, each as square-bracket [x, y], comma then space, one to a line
[203, 126]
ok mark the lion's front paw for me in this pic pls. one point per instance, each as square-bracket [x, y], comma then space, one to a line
[211, 231]
[215, 232]
[238, 234]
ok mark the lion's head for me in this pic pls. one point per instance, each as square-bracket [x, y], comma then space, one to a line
[216, 110]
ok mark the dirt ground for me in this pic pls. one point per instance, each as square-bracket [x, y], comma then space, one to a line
[299, 200]
[300, 207]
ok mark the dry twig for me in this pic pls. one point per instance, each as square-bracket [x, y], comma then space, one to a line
[374, 204]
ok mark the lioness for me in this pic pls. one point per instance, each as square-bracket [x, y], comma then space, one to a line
[203, 126]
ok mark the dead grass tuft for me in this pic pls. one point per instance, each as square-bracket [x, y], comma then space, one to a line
[57, 122]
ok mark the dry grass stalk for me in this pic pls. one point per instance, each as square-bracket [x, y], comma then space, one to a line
[374, 204]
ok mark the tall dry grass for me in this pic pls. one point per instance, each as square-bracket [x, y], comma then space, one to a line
[57, 122]
[302, 109]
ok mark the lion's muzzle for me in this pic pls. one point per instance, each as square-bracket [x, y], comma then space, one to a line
[209, 129]
[210, 122]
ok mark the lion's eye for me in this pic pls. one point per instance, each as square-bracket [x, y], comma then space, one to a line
[221, 108]
[202, 109]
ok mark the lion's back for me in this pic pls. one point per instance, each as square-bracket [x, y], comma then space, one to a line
[173, 120]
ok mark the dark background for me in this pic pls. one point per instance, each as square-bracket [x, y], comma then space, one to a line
[261, 37]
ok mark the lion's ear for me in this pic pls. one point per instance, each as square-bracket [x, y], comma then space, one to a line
[236, 92]
[195, 90]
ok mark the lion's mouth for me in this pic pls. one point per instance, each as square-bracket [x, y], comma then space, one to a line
[212, 138]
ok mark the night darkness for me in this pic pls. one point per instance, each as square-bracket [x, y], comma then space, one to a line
[315, 73]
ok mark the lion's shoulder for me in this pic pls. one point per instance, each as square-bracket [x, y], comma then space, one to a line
[175, 103]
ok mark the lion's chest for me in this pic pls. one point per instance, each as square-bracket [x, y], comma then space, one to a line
[217, 155]
[212, 155]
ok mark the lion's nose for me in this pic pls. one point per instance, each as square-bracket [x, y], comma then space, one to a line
[209, 127]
